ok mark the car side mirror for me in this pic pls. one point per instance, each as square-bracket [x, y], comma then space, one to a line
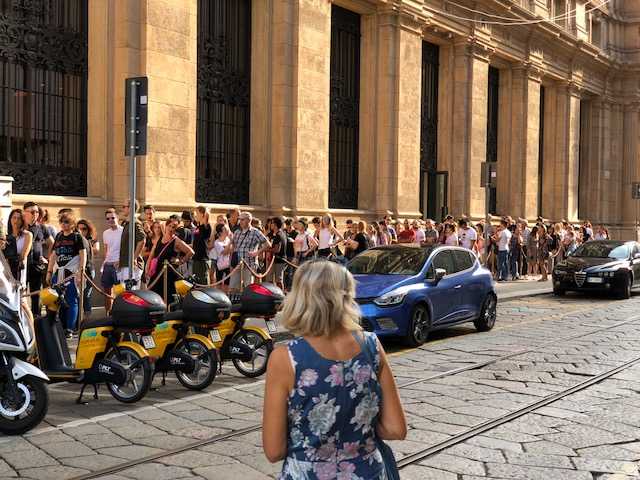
[440, 274]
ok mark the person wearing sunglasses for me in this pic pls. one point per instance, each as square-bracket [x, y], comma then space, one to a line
[111, 238]
[139, 235]
[69, 257]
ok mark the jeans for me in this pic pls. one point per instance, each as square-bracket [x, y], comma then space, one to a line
[88, 290]
[514, 258]
[503, 264]
[69, 312]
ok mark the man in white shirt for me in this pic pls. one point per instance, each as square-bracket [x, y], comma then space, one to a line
[111, 239]
[503, 239]
[467, 235]
[419, 232]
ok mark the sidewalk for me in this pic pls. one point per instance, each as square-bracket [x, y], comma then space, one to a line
[523, 288]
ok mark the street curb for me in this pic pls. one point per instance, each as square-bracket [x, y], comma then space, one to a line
[519, 296]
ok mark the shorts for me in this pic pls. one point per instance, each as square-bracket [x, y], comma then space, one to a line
[109, 276]
[276, 273]
[220, 274]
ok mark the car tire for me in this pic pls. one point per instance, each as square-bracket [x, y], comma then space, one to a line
[419, 326]
[487, 318]
[625, 291]
[559, 292]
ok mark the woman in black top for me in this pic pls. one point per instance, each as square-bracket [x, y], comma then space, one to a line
[167, 248]
[92, 247]
[201, 236]
[360, 241]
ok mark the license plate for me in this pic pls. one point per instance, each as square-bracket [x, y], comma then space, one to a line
[595, 280]
[271, 326]
[215, 335]
[148, 342]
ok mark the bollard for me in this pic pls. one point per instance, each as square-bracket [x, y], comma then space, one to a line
[165, 282]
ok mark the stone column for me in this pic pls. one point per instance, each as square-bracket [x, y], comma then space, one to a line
[563, 161]
[522, 193]
[469, 135]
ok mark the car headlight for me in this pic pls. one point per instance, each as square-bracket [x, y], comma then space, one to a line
[394, 297]
[8, 335]
[607, 274]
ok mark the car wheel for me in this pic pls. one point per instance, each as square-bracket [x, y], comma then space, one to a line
[625, 291]
[558, 292]
[419, 326]
[487, 318]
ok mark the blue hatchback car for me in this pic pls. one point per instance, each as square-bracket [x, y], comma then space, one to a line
[408, 291]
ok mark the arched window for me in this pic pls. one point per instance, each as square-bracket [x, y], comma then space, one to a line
[43, 95]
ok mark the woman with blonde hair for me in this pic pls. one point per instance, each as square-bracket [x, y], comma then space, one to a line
[328, 236]
[330, 396]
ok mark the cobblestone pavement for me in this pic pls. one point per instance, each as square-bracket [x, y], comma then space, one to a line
[554, 344]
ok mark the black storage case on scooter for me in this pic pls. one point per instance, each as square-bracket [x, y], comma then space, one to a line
[137, 309]
[206, 306]
[262, 299]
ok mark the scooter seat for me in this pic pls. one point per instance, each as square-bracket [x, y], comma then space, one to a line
[236, 308]
[97, 322]
[176, 315]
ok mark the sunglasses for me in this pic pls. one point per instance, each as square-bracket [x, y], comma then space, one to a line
[111, 218]
[65, 222]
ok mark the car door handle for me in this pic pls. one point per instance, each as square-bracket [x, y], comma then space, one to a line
[457, 287]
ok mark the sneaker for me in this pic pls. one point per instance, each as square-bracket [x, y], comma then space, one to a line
[68, 333]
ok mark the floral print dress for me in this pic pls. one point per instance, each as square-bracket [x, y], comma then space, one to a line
[333, 410]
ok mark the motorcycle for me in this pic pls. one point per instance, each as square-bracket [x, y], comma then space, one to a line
[247, 346]
[101, 356]
[24, 399]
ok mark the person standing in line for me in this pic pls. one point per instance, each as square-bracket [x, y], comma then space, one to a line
[233, 219]
[407, 235]
[385, 236]
[139, 236]
[543, 253]
[149, 212]
[360, 242]
[68, 258]
[430, 234]
[515, 251]
[480, 243]
[18, 244]
[111, 239]
[450, 235]
[222, 247]
[503, 236]
[92, 247]
[201, 236]
[467, 235]
[36, 262]
[524, 263]
[304, 244]
[279, 251]
[248, 244]
[388, 220]
[328, 236]
[44, 222]
[330, 392]
[532, 253]
[419, 235]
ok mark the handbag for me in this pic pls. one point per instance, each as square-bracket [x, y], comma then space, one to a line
[153, 264]
[388, 459]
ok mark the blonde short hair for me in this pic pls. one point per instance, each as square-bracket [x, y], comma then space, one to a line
[321, 301]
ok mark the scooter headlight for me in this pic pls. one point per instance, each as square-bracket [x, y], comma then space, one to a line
[9, 336]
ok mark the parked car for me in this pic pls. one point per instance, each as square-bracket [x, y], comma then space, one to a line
[409, 291]
[600, 266]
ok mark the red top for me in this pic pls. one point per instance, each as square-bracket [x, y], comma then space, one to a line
[407, 236]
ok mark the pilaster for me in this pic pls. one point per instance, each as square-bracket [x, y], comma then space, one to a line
[522, 196]
[469, 136]
[630, 209]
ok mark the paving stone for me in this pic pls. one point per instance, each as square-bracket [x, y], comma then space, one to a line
[130, 452]
[548, 448]
[196, 459]
[66, 449]
[102, 440]
[480, 454]
[15, 444]
[455, 464]
[164, 442]
[92, 462]
[155, 471]
[31, 458]
[6, 470]
[234, 471]
[613, 452]
[503, 470]
[538, 460]
[49, 437]
[419, 472]
[597, 465]
[232, 448]
[57, 472]
[495, 443]
[260, 463]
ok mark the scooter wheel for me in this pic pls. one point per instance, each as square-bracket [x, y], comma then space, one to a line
[262, 348]
[206, 364]
[139, 375]
[34, 408]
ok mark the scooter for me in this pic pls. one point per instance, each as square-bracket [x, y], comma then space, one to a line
[247, 346]
[102, 356]
[24, 399]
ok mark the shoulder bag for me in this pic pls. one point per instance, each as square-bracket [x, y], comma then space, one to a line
[388, 459]
[153, 264]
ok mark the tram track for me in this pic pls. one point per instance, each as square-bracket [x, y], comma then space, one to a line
[431, 450]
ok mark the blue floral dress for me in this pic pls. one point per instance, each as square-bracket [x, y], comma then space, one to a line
[332, 411]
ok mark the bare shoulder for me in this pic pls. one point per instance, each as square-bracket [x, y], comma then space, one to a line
[279, 360]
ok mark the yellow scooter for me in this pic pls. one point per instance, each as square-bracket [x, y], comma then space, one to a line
[101, 356]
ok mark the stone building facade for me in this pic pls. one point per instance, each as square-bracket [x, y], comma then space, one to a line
[358, 107]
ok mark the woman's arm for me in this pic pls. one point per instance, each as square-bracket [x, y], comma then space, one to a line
[184, 248]
[95, 247]
[27, 246]
[280, 378]
[392, 424]
[336, 234]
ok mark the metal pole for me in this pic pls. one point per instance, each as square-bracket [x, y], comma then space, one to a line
[132, 176]
[487, 224]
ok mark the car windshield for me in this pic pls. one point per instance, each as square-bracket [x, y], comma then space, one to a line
[618, 251]
[390, 261]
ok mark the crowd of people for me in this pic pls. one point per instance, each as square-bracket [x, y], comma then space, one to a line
[209, 249]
